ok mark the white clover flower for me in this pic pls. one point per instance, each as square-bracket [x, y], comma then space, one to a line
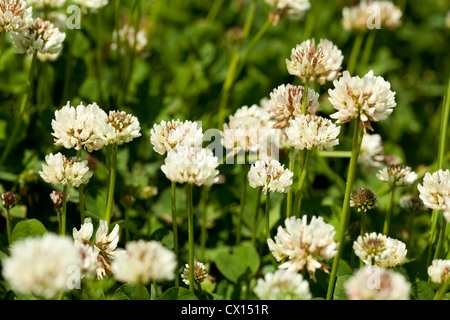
[371, 154]
[167, 135]
[286, 103]
[123, 127]
[293, 9]
[282, 285]
[321, 62]
[247, 130]
[191, 165]
[127, 35]
[102, 248]
[143, 261]
[369, 97]
[270, 176]
[200, 273]
[377, 283]
[61, 170]
[447, 208]
[380, 250]
[369, 15]
[304, 244]
[397, 175]
[435, 188]
[439, 271]
[80, 127]
[40, 37]
[41, 266]
[312, 132]
[40, 4]
[15, 16]
[89, 255]
[91, 5]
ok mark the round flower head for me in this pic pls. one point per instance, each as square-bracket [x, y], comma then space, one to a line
[200, 273]
[397, 175]
[371, 154]
[435, 188]
[312, 132]
[123, 127]
[15, 16]
[191, 165]
[68, 172]
[286, 103]
[143, 262]
[40, 37]
[363, 199]
[293, 9]
[103, 247]
[91, 5]
[270, 176]
[304, 244]
[377, 283]
[439, 271]
[321, 62]
[371, 15]
[9, 200]
[369, 97]
[282, 285]
[372, 248]
[397, 254]
[411, 204]
[80, 127]
[57, 198]
[41, 266]
[127, 35]
[40, 4]
[167, 135]
[246, 130]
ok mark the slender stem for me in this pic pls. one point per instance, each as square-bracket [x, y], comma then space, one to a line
[355, 53]
[442, 290]
[367, 51]
[242, 204]
[301, 183]
[290, 193]
[267, 215]
[18, 120]
[203, 233]
[99, 57]
[112, 182]
[214, 10]
[363, 222]
[334, 154]
[64, 211]
[440, 244]
[255, 219]
[127, 223]
[191, 238]
[8, 225]
[387, 220]
[175, 227]
[2, 42]
[305, 96]
[345, 214]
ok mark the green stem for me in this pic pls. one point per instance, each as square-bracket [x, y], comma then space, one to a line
[255, 219]
[440, 245]
[2, 42]
[301, 183]
[175, 227]
[367, 51]
[214, 10]
[191, 238]
[203, 232]
[290, 193]
[19, 117]
[390, 204]
[267, 215]
[8, 225]
[442, 290]
[345, 214]
[127, 224]
[363, 222]
[305, 96]
[112, 182]
[242, 202]
[64, 211]
[355, 53]
[99, 57]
